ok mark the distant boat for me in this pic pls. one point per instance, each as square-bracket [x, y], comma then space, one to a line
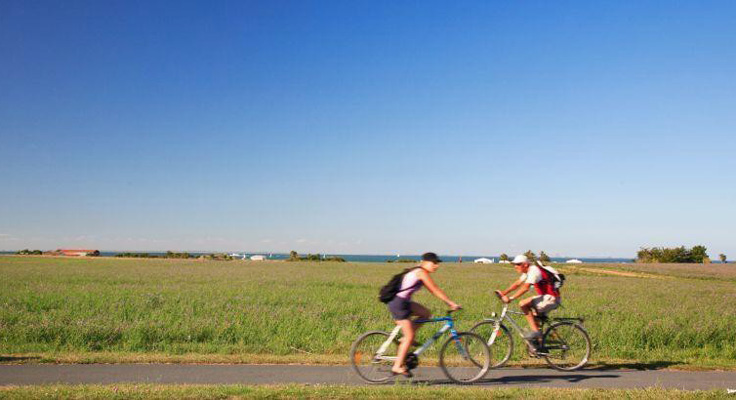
[573, 261]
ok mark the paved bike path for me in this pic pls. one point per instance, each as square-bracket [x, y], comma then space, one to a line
[32, 374]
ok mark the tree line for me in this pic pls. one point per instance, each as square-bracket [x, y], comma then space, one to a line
[543, 257]
[26, 252]
[695, 255]
[294, 256]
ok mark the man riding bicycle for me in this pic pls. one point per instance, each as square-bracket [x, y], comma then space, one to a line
[547, 299]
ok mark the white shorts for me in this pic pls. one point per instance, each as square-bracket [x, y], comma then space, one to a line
[545, 303]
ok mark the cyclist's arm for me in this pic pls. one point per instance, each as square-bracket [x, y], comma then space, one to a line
[523, 289]
[512, 287]
[434, 289]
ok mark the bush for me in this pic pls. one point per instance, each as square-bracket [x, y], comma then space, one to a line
[26, 252]
[294, 256]
[681, 254]
[170, 254]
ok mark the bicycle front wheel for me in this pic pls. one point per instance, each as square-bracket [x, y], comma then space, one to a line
[371, 366]
[567, 346]
[465, 358]
[502, 345]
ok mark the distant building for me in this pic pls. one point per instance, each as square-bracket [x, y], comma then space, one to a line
[257, 258]
[484, 260]
[78, 252]
[574, 261]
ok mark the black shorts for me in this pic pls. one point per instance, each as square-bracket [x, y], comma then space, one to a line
[400, 308]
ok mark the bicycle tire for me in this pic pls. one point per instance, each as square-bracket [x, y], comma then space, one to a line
[368, 344]
[558, 345]
[475, 347]
[504, 341]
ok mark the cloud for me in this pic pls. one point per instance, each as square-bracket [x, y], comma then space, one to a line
[301, 240]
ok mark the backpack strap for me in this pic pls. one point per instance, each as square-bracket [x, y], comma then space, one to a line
[542, 267]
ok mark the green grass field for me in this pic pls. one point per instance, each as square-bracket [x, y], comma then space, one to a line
[192, 311]
[404, 392]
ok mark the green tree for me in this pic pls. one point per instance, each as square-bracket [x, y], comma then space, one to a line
[293, 256]
[503, 257]
[531, 256]
[543, 257]
[698, 254]
[723, 258]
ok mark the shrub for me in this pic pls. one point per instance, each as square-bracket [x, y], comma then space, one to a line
[681, 254]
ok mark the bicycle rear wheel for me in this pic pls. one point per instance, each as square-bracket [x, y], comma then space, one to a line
[367, 363]
[503, 344]
[567, 346]
[465, 358]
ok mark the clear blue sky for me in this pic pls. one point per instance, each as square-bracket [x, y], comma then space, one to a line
[579, 128]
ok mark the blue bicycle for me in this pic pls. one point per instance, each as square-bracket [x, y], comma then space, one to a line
[464, 357]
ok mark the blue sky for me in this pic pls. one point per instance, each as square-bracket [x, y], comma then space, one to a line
[578, 128]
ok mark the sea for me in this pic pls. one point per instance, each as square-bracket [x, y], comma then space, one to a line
[376, 258]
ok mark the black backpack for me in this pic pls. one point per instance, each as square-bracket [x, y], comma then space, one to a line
[393, 287]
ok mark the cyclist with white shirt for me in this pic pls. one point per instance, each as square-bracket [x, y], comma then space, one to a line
[543, 280]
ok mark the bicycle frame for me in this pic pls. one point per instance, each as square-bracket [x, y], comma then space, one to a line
[449, 326]
[505, 317]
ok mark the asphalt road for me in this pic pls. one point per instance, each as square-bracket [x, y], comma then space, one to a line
[32, 374]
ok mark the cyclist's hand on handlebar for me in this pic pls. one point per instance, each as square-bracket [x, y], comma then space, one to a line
[502, 297]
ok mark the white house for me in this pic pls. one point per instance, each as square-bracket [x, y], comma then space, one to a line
[573, 261]
[257, 257]
[484, 260]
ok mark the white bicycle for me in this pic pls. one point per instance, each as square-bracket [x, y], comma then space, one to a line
[565, 343]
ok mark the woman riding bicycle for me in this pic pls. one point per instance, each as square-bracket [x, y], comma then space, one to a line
[401, 307]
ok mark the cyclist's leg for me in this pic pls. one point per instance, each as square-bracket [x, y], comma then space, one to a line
[407, 329]
[417, 311]
[527, 307]
[540, 305]
[545, 304]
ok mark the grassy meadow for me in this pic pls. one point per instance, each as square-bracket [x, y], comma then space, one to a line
[404, 392]
[117, 310]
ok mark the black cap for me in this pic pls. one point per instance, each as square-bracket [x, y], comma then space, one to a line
[431, 257]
